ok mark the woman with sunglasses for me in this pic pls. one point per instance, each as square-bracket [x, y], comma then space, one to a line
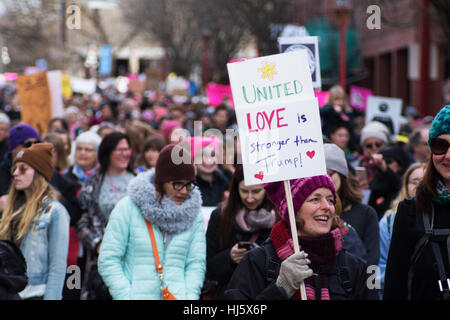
[418, 264]
[168, 200]
[37, 222]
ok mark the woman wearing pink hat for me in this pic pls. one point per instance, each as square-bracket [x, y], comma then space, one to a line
[274, 271]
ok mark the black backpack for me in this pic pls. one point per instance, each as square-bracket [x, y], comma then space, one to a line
[432, 236]
[13, 268]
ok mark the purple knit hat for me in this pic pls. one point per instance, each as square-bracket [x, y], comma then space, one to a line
[21, 133]
[300, 189]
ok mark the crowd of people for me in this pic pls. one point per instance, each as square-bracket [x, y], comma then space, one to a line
[100, 191]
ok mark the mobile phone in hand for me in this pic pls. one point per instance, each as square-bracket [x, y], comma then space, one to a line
[244, 244]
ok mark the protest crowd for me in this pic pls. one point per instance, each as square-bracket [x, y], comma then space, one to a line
[96, 208]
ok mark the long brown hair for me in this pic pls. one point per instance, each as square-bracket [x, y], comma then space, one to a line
[231, 206]
[426, 190]
[348, 192]
[28, 213]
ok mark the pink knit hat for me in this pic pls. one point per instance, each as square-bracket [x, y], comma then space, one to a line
[167, 128]
[198, 143]
[300, 189]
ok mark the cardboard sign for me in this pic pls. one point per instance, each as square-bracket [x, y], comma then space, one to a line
[358, 97]
[386, 110]
[35, 100]
[311, 46]
[278, 118]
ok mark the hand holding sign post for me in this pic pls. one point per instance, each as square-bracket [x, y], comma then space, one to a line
[279, 122]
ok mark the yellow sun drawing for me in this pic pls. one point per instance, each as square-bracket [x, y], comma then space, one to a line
[268, 70]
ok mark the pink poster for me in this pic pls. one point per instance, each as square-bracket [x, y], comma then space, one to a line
[322, 96]
[358, 97]
[217, 92]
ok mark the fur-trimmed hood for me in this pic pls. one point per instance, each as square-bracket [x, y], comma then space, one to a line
[167, 215]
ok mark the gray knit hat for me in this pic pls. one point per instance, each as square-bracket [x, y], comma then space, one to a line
[375, 129]
[335, 159]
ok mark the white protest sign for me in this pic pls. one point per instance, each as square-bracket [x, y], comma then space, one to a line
[86, 86]
[311, 46]
[386, 110]
[55, 85]
[278, 118]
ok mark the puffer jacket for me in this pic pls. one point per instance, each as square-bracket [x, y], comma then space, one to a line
[126, 262]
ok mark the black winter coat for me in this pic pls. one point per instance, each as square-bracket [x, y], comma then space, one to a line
[219, 266]
[408, 229]
[255, 277]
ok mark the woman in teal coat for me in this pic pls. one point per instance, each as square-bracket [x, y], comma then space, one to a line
[168, 199]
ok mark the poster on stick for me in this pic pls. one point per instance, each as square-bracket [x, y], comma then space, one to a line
[278, 118]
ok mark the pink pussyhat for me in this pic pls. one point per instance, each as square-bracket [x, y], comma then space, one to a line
[198, 143]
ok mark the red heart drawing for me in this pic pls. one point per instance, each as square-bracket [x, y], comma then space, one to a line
[310, 154]
[259, 175]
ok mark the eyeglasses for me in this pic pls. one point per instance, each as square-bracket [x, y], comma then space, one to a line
[439, 146]
[27, 144]
[122, 150]
[81, 149]
[178, 186]
[22, 169]
[371, 145]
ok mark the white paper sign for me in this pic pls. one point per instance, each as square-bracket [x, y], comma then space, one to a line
[55, 85]
[86, 86]
[386, 110]
[271, 79]
[311, 46]
[280, 134]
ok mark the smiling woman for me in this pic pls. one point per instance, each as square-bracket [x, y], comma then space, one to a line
[418, 265]
[321, 254]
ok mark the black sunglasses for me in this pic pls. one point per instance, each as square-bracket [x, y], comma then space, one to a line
[178, 186]
[27, 144]
[439, 146]
[371, 145]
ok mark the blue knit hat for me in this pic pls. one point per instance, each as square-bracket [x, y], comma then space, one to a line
[21, 133]
[441, 124]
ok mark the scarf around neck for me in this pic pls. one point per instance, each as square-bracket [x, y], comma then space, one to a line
[255, 220]
[166, 215]
[321, 250]
[443, 193]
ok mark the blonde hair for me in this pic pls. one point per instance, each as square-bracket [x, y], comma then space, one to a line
[337, 92]
[403, 193]
[27, 213]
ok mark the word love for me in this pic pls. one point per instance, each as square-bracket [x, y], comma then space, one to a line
[262, 120]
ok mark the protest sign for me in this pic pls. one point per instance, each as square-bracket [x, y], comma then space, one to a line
[278, 118]
[35, 100]
[311, 46]
[55, 86]
[80, 85]
[386, 110]
[358, 97]
[66, 87]
[279, 123]
[322, 97]
[217, 92]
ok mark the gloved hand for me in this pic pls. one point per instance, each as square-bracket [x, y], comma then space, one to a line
[293, 271]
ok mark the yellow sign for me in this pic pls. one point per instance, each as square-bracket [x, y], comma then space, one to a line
[35, 100]
[66, 87]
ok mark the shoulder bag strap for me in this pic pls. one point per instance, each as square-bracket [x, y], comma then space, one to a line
[158, 264]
